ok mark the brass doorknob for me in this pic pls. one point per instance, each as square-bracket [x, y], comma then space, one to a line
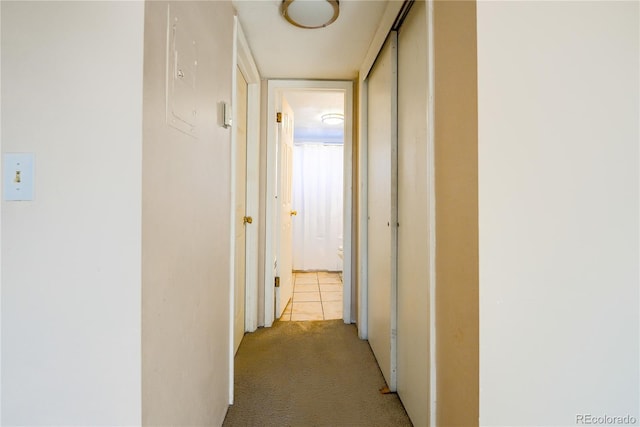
[247, 220]
[294, 213]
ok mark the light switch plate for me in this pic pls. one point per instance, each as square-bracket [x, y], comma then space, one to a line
[18, 176]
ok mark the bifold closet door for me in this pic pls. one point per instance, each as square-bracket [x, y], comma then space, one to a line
[381, 227]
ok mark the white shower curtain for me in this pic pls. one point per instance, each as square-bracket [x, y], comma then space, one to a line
[317, 196]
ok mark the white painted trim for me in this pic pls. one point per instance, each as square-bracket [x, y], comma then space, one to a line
[250, 71]
[393, 298]
[232, 222]
[386, 23]
[277, 224]
[347, 215]
[274, 88]
[1, 174]
[431, 219]
[243, 59]
[270, 206]
[363, 205]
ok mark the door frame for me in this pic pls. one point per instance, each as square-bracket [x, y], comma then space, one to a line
[243, 59]
[275, 89]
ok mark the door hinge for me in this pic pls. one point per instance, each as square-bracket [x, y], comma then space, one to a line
[277, 282]
[278, 117]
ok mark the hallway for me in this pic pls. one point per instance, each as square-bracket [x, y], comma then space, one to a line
[491, 205]
[310, 373]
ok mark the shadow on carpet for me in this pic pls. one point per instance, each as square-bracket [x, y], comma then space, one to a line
[310, 374]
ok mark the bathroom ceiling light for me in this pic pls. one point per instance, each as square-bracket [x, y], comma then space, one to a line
[332, 118]
[310, 14]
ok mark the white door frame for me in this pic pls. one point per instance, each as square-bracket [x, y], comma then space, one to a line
[275, 88]
[243, 59]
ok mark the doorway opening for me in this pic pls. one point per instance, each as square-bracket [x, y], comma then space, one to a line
[317, 203]
[320, 252]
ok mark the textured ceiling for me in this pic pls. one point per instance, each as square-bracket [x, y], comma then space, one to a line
[284, 51]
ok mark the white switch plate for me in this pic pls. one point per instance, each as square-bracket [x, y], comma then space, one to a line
[18, 176]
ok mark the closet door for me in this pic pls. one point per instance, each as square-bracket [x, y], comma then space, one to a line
[381, 227]
[413, 216]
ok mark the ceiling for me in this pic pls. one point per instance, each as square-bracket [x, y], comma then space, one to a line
[284, 51]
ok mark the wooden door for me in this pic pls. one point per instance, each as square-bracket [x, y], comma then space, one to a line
[240, 209]
[284, 292]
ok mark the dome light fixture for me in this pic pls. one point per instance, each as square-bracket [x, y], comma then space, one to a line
[332, 118]
[310, 14]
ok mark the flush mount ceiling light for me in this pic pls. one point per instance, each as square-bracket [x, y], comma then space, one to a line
[310, 14]
[332, 118]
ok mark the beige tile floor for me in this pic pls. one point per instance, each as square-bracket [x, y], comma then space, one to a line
[316, 296]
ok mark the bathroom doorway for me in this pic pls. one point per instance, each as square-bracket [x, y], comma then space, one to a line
[278, 249]
[318, 182]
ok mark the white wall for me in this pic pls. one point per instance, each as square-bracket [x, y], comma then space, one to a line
[72, 94]
[558, 191]
[186, 224]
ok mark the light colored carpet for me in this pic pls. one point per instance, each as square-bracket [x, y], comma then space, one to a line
[310, 374]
